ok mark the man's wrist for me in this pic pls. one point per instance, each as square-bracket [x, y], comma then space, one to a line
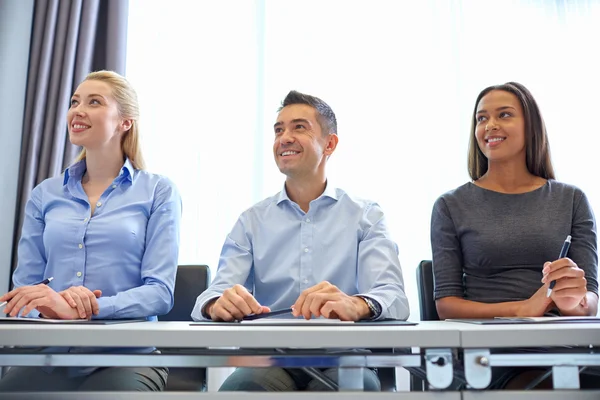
[208, 308]
[363, 310]
[373, 308]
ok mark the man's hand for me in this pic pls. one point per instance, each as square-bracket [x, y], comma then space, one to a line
[571, 286]
[325, 299]
[23, 300]
[83, 299]
[233, 305]
[537, 305]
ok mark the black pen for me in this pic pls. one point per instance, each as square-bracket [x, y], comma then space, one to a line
[563, 254]
[44, 282]
[267, 314]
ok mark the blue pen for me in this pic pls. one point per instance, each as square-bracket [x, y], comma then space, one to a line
[563, 254]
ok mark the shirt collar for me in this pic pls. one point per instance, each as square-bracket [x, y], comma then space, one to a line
[127, 170]
[328, 192]
[77, 170]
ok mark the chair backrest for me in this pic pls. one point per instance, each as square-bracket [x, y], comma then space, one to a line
[190, 282]
[425, 284]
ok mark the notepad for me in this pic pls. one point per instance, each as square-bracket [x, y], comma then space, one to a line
[527, 320]
[311, 322]
[67, 321]
[552, 320]
[295, 321]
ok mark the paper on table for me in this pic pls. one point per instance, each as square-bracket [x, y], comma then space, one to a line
[551, 319]
[527, 320]
[298, 321]
[66, 321]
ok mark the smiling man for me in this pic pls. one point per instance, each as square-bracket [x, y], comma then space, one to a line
[311, 247]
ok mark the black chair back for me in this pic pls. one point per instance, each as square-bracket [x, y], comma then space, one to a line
[191, 281]
[425, 284]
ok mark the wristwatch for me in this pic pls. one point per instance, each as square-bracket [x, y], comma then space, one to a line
[373, 305]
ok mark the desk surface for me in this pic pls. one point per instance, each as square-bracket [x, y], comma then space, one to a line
[241, 396]
[182, 335]
[526, 335]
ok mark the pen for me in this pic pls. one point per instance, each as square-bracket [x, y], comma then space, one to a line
[563, 254]
[267, 314]
[44, 282]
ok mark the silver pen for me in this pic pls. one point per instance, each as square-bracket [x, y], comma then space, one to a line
[44, 282]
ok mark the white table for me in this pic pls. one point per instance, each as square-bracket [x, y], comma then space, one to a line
[438, 339]
[183, 335]
[479, 342]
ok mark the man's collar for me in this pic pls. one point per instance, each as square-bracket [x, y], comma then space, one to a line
[328, 192]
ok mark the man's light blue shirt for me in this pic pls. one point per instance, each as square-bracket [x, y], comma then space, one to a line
[276, 251]
[128, 248]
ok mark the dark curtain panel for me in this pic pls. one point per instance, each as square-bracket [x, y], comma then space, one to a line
[70, 39]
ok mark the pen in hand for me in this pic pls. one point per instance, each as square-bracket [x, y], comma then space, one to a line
[252, 317]
[44, 282]
[563, 254]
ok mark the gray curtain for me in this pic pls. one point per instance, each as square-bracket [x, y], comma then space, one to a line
[70, 38]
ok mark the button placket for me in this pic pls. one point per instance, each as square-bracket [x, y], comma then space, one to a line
[306, 236]
[80, 267]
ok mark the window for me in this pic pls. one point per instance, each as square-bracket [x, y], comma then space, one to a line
[402, 78]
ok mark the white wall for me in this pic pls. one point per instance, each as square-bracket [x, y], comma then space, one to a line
[15, 34]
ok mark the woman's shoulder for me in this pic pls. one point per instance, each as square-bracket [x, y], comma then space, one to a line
[558, 187]
[158, 180]
[52, 184]
[156, 186]
[457, 193]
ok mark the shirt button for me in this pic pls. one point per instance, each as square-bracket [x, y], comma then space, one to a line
[78, 274]
[85, 219]
[306, 281]
[98, 204]
[114, 186]
[307, 219]
[306, 249]
[80, 246]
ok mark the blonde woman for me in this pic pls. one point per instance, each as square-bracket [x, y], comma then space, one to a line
[107, 232]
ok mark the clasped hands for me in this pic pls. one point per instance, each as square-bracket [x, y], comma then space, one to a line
[323, 299]
[568, 293]
[76, 302]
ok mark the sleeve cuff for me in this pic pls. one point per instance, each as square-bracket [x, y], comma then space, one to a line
[107, 308]
[202, 312]
[33, 314]
[440, 294]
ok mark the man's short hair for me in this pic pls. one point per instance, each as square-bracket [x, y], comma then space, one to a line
[325, 115]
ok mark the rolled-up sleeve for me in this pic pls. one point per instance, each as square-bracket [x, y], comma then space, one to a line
[235, 264]
[379, 272]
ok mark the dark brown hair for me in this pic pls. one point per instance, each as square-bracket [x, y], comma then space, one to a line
[537, 147]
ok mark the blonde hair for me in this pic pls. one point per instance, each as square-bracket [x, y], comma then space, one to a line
[127, 104]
